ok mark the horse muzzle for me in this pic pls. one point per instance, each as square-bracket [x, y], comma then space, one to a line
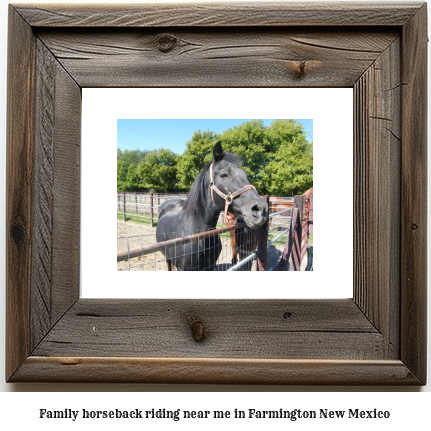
[256, 215]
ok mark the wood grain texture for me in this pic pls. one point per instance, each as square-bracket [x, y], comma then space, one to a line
[234, 329]
[215, 371]
[377, 200]
[414, 221]
[211, 57]
[55, 279]
[220, 14]
[19, 197]
[378, 337]
[67, 194]
[43, 194]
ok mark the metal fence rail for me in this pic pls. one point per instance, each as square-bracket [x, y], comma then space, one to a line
[226, 261]
[141, 251]
[146, 204]
[157, 261]
[291, 223]
[296, 244]
[252, 256]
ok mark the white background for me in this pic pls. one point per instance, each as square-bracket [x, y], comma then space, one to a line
[408, 409]
[330, 109]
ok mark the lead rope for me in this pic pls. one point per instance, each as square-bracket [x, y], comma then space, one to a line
[228, 198]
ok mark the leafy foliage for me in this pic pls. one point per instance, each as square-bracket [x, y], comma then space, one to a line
[278, 159]
[159, 170]
[290, 170]
[250, 141]
[197, 154]
[127, 176]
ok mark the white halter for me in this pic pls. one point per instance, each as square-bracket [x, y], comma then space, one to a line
[228, 198]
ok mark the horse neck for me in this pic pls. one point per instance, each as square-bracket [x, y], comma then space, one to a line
[210, 213]
[203, 214]
[210, 218]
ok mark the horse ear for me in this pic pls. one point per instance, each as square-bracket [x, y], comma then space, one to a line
[217, 151]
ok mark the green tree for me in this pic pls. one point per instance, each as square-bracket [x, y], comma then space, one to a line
[198, 153]
[290, 171]
[158, 171]
[131, 156]
[121, 175]
[133, 181]
[278, 159]
[250, 141]
[127, 175]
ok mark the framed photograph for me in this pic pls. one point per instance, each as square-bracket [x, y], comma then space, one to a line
[118, 118]
[376, 337]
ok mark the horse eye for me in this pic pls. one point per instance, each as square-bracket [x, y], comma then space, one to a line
[223, 176]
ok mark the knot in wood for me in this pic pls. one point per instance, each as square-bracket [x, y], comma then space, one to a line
[18, 233]
[167, 42]
[197, 328]
[300, 69]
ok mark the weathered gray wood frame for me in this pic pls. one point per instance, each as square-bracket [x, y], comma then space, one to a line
[378, 337]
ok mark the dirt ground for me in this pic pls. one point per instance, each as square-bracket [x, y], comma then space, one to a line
[132, 235]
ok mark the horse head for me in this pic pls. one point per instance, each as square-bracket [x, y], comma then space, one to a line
[230, 188]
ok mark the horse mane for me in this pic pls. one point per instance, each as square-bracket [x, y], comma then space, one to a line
[195, 203]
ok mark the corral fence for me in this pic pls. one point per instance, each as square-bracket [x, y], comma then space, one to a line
[297, 240]
[144, 206]
[290, 223]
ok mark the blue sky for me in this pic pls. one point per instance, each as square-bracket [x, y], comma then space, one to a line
[173, 134]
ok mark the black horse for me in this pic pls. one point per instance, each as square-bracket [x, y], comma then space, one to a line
[221, 185]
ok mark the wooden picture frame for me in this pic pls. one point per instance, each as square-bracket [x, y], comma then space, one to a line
[378, 337]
